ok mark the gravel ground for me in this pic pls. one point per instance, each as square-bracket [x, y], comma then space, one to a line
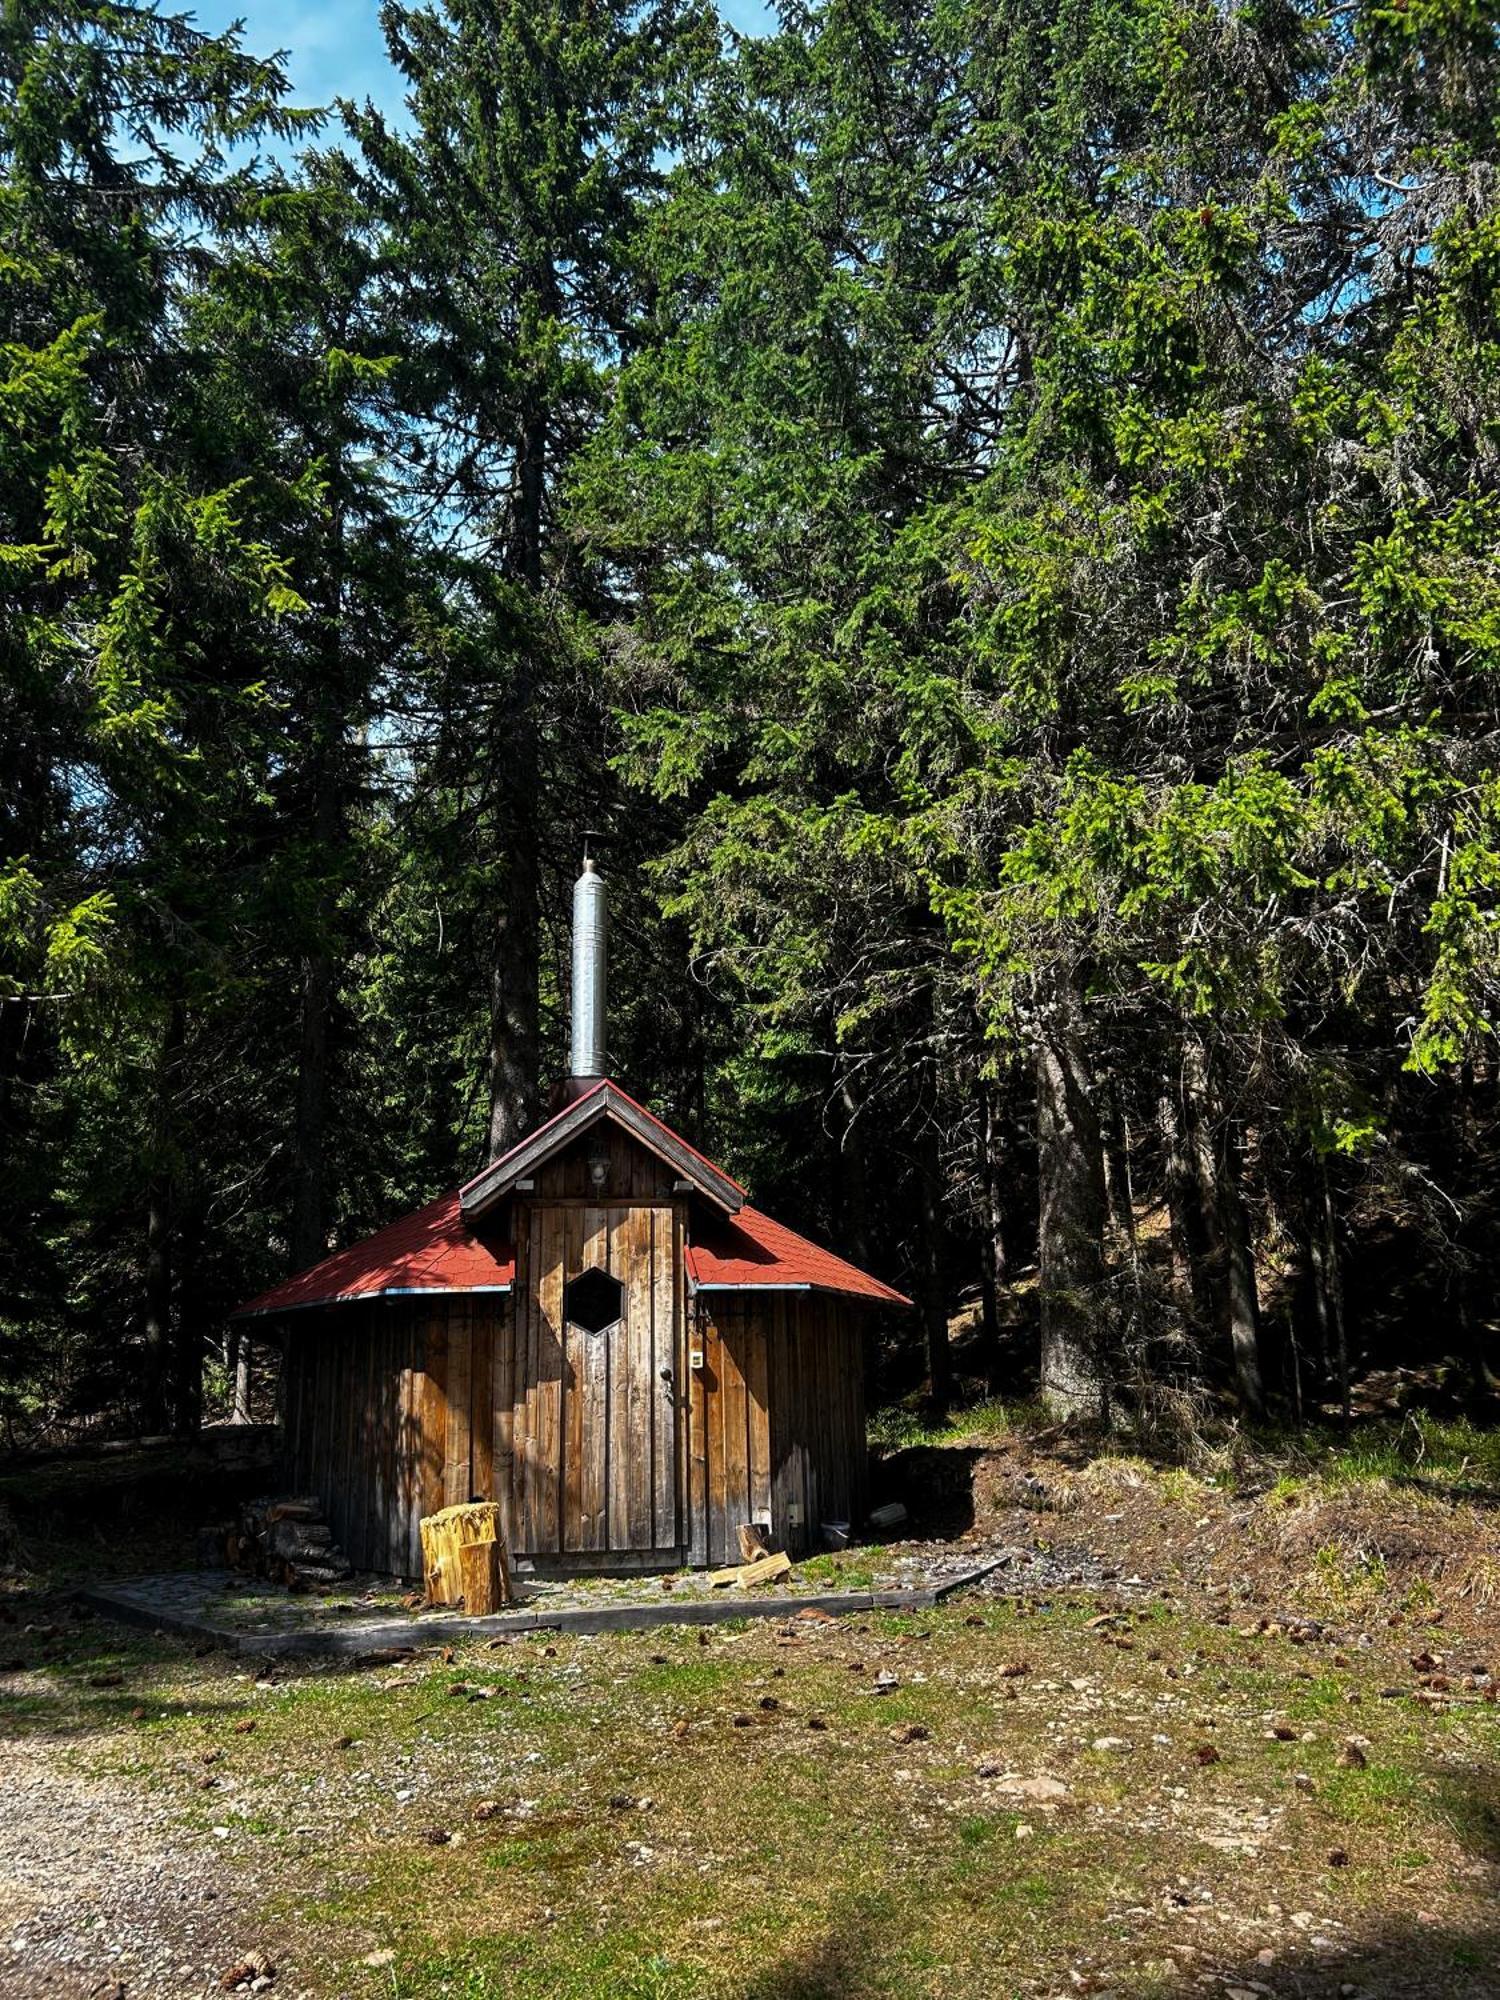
[102, 1895]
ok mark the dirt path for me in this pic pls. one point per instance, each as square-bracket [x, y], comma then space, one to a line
[102, 1893]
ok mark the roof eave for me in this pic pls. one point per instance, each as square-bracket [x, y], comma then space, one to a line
[253, 1311]
[856, 1297]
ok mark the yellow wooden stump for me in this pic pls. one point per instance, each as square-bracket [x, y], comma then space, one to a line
[446, 1536]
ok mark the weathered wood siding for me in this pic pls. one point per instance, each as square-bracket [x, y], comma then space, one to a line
[777, 1420]
[370, 1424]
[633, 1173]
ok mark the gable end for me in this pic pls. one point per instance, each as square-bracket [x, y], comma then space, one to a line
[605, 1102]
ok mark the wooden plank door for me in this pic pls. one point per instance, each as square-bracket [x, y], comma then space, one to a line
[595, 1432]
[624, 1386]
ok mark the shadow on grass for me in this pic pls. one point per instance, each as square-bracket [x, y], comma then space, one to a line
[66, 1675]
[936, 1482]
[55, 1714]
[845, 1960]
[1472, 1809]
[1405, 1959]
[79, 1515]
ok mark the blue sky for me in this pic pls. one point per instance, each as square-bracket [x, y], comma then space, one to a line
[335, 47]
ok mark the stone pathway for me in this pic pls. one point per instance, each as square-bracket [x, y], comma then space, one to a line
[369, 1615]
[202, 1604]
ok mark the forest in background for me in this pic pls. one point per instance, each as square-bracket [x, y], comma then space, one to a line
[990, 509]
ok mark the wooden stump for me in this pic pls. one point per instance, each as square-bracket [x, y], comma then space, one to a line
[445, 1536]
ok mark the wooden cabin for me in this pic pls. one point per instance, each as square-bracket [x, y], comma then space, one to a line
[599, 1333]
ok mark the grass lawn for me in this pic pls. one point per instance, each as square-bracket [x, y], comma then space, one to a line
[745, 1813]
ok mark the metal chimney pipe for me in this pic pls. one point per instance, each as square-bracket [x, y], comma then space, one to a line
[590, 942]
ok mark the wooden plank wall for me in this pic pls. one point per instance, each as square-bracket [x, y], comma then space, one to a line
[777, 1420]
[380, 1420]
[592, 1445]
[633, 1174]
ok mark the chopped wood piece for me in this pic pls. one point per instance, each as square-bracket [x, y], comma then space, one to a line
[753, 1544]
[482, 1573]
[767, 1568]
[744, 1574]
[288, 1540]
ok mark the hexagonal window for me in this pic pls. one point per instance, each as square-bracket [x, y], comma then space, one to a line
[594, 1300]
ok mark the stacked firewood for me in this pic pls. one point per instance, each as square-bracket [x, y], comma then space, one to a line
[289, 1541]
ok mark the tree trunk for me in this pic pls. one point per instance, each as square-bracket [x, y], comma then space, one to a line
[1070, 1172]
[157, 1319]
[1189, 1230]
[854, 1190]
[1471, 1286]
[1230, 1266]
[309, 1238]
[239, 1375]
[1118, 1186]
[854, 1213]
[1242, 1305]
[161, 1224]
[515, 939]
[515, 966]
[930, 1292]
[187, 1336]
[1331, 1284]
[328, 775]
[992, 1263]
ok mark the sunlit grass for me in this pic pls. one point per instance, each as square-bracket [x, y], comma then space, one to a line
[1276, 1462]
[668, 1821]
[901, 1427]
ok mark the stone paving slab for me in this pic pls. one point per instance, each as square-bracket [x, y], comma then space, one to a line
[174, 1602]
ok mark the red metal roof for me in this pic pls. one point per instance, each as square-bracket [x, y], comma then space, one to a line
[432, 1250]
[439, 1249]
[749, 1250]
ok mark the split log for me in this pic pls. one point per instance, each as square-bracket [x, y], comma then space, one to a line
[745, 1574]
[753, 1543]
[295, 1539]
[485, 1576]
[287, 1540]
[304, 1576]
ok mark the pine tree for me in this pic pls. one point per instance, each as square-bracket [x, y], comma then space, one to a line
[509, 218]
